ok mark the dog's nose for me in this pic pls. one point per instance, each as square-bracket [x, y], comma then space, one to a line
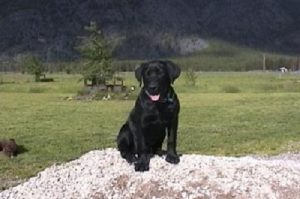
[153, 87]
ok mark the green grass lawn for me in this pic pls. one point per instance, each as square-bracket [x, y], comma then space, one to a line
[230, 114]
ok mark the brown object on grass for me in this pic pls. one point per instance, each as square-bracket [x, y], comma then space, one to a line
[9, 147]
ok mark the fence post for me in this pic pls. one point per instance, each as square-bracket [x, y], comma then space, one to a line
[264, 62]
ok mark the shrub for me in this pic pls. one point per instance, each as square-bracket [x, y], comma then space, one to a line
[190, 77]
[34, 66]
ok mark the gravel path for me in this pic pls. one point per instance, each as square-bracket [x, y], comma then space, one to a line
[103, 174]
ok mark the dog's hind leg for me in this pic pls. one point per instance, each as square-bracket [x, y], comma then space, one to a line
[125, 144]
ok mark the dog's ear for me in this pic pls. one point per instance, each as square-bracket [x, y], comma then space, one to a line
[173, 70]
[139, 72]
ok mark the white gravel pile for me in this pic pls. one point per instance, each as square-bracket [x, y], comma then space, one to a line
[104, 174]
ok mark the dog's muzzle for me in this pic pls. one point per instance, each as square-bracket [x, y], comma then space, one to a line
[153, 98]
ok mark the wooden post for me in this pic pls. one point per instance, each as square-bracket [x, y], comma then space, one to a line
[264, 62]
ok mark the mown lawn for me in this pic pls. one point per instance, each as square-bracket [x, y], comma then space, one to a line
[230, 114]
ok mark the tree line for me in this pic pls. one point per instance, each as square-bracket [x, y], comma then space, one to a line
[96, 62]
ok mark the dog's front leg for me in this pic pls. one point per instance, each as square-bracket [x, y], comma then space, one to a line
[172, 156]
[142, 164]
[143, 161]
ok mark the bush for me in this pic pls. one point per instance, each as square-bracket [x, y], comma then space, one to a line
[190, 77]
[34, 66]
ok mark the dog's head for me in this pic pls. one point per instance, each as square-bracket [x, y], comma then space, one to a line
[9, 147]
[157, 77]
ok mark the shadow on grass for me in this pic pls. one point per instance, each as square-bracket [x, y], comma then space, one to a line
[21, 149]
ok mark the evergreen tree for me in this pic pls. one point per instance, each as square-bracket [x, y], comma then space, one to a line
[97, 66]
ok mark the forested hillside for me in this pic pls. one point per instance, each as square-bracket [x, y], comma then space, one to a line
[139, 29]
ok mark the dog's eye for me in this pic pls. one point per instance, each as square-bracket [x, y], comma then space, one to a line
[148, 73]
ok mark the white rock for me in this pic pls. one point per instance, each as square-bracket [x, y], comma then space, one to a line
[104, 174]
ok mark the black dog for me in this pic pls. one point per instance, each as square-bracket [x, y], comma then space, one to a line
[154, 115]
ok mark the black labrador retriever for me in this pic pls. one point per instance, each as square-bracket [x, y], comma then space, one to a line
[154, 115]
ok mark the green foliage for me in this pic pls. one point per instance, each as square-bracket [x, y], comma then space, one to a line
[190, 77]
[94, 50]
[34, 66]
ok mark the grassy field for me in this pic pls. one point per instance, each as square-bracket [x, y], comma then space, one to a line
[230, 114]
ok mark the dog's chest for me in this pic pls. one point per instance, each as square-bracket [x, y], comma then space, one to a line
[160, 114]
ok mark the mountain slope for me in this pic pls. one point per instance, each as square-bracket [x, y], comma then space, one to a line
[146, 29]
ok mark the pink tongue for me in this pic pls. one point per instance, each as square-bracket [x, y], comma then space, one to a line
[154, 97]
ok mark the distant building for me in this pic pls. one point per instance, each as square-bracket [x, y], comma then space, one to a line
[283, 69]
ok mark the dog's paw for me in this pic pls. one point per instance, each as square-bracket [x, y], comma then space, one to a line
[129, 157]
[173, 159]
[141, 166]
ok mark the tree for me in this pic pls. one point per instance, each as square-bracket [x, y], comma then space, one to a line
[34, 66]
[190, 76]
[97, 66]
